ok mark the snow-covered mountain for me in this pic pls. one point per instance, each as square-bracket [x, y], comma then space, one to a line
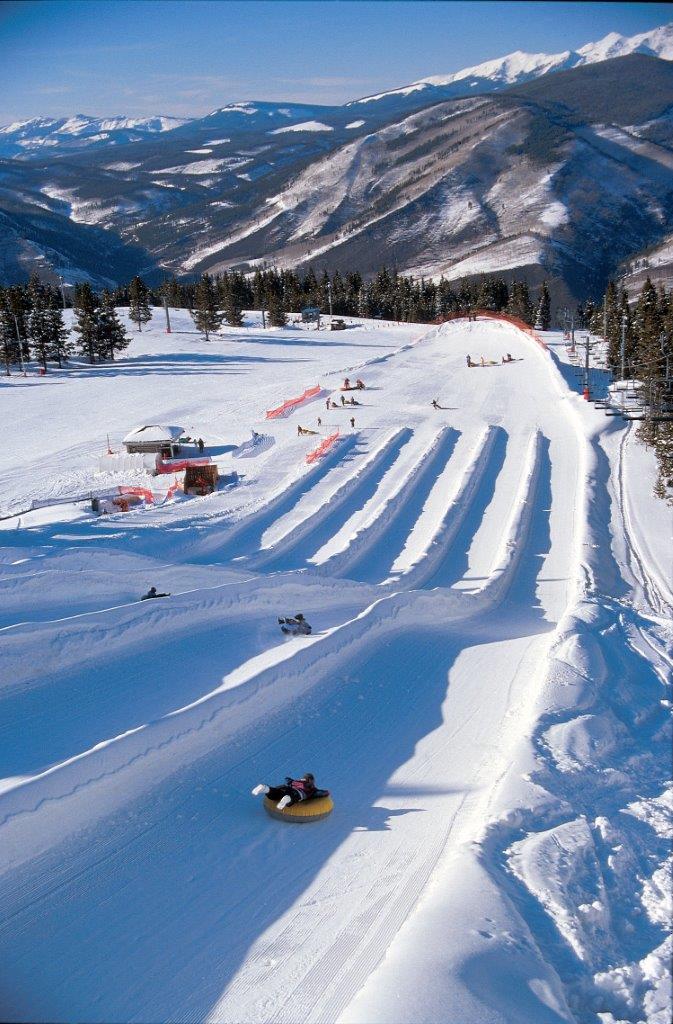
[66, 133]
[379, 180]
[519, 67]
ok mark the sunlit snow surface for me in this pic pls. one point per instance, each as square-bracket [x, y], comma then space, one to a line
[486, 692]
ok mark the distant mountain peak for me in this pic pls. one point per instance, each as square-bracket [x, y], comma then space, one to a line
[520, 66]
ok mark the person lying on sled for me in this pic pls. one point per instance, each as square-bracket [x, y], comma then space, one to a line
[294, 790]
[295, 626]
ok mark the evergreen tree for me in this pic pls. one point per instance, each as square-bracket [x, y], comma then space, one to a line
[39, 329]
[207, 314]
[465, 297]
[519, 302]
[365, 306]
[647, 327]
[258, 290]
[624, 319]
[139, 307]
[231, 298]
[8, 339]
[310, 288]
[60, 346]
[16, 300]
[171, 289]
[501, 292]
[85, 304]
[485, 298]
[111, 336]
[544, 308]
[277, 315]
[608, 322]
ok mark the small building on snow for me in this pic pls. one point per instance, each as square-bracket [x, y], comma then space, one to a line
[154, 438]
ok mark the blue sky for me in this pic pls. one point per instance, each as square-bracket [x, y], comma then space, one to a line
[186, 58]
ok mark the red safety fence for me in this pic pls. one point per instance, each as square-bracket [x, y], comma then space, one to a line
[175, 486]
[292, 403]
[142, 492]
[177, 465]
[488, 314]
[323, 447]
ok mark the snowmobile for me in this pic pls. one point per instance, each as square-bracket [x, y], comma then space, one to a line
[297, 626]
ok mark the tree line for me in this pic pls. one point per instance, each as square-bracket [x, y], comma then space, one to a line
[32, 325]
[639, 339]
[215, 300]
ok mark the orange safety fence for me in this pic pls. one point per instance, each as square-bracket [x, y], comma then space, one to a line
[504, 317]
[292, 403]
[142, 492]
[177, 485]
[323, 447]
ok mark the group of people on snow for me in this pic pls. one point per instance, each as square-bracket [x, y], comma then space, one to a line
[488, 362]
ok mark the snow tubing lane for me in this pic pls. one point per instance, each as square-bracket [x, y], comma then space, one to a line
[310, 810]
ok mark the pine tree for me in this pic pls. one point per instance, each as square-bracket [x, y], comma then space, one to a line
[231, 299]
[277, 315]
[310, 288]
[485, 298]
[171, 289]
[206, 313]
[544, 308]
[60, 346]
[647, 327]
[233, 309]
[85, 304]
[519, 304]
[139, 307]
[39, 330]
[8, 339]
[608, 322]
[16, 300]
[111, 335]
[365, 306]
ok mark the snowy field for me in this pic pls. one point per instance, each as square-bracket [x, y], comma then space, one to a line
[486, 692]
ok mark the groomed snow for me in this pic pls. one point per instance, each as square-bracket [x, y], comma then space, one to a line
[486, 691]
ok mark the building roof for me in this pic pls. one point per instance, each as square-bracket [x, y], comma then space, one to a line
[153, 433]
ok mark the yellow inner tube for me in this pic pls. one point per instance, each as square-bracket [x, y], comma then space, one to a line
[307, 810]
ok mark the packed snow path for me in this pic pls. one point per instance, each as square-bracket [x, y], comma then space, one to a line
[449, 561]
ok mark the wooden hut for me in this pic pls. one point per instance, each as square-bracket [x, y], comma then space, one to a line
[200, 479]
[154, 438]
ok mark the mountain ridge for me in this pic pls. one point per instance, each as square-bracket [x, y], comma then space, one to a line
[499, 72]
[433, 189]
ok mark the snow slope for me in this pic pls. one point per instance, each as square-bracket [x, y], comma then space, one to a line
[486, 692]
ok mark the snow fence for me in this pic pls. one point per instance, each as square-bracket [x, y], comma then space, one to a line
[291, 403]
[322, 448]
